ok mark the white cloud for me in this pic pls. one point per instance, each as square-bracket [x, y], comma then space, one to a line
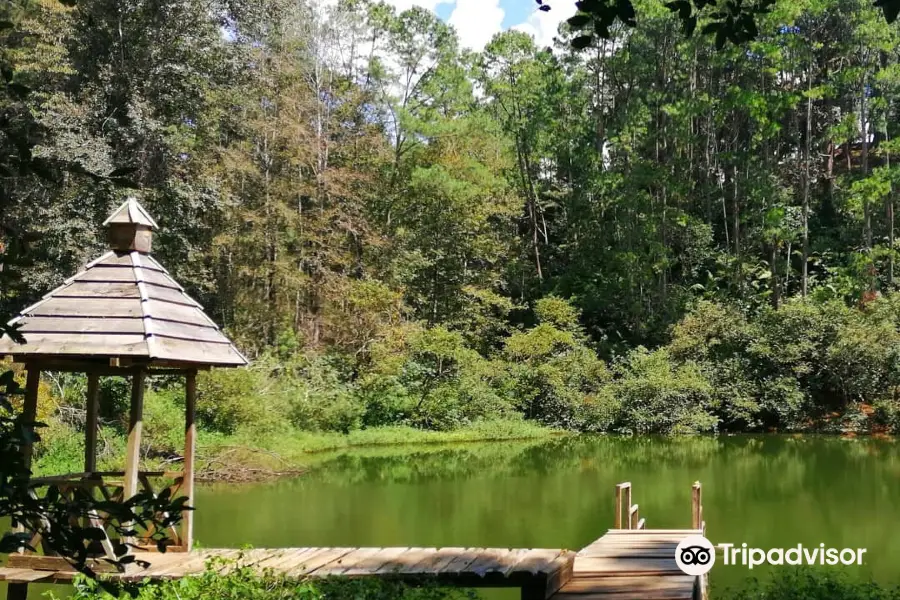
[543, 25]
[476, 21]
[402, 5]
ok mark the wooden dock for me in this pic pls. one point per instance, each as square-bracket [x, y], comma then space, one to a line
[632, 564]
[626, 563]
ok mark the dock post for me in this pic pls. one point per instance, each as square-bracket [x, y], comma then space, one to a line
[19, 591]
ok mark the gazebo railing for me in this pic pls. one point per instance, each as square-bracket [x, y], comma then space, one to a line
[110, 486]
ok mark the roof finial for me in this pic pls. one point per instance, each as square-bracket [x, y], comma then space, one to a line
[131, 227]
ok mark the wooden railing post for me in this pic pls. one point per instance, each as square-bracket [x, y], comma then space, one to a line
[90, 423]
[623, 499]
[29, 407]
[190, 434]
[697, 506]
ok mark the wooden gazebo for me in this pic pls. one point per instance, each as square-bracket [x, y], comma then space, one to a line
[122, 315]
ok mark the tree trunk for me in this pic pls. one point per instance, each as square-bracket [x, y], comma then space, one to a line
[804, 281]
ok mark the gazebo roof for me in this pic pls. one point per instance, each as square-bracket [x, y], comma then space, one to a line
[131, 212]
[124, 305]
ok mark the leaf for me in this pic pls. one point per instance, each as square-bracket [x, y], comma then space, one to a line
[721, 36]
[625, 11]
[689, 24]
[18, 89]
[544, 8]
[94, 534]
[582, 42]
[890, 8]
[579, 20]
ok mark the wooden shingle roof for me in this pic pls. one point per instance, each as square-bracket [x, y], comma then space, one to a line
[122, 305]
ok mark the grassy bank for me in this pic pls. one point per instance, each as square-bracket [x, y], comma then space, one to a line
[246, 456]
[807, 367]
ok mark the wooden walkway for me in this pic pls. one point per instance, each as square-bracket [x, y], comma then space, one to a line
[631, 563]
[538, 572]
[623, 564]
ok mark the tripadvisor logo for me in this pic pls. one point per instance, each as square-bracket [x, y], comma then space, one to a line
[798, 555]
[696, 555]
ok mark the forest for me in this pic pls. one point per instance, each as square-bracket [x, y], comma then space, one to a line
[649, 234]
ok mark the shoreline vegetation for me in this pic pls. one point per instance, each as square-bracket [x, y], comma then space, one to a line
[807, 367]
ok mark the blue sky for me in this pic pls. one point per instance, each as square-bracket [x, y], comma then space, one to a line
[515, 11]
[477, 21]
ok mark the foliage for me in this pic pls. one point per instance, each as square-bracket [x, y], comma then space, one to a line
[242, 582]
[657, 396]
[647, 236]
[815, 584]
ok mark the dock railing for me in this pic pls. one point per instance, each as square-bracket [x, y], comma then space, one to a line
[625, 507]
[697, 521]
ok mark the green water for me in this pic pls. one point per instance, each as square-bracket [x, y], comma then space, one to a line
[767, 491]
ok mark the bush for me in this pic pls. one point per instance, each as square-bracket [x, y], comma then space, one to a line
[812, 584]
[886, 415]
[319, 397]
[657, 395]
[430, 378]
[863, 361]
[243, 583]
[783, 367]
[229, 399]
[553, 377]
[163, 426]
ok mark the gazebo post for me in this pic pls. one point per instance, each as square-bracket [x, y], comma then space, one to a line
[19, 591]
[29, 408]
[190, 433]
[90, 423]
[133, 451]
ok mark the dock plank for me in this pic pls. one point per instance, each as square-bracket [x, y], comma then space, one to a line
[438, 561]
[374, 562]
[401, 561]
[348, 561]
[462, 561]
[414, 556]
[321, 560]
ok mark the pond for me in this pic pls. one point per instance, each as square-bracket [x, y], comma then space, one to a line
[768, 491]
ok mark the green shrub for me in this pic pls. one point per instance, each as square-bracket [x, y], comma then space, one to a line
[229, 399]
[657, 395]
[813, 584]
[243, 583]
[553, 377]
[782, 368]
[163, 426]
[864, 360]
[61, 449]
[886, 414]
[319, 396]
[558, 312]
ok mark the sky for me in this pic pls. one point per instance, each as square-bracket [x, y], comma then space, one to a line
[476, 21]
